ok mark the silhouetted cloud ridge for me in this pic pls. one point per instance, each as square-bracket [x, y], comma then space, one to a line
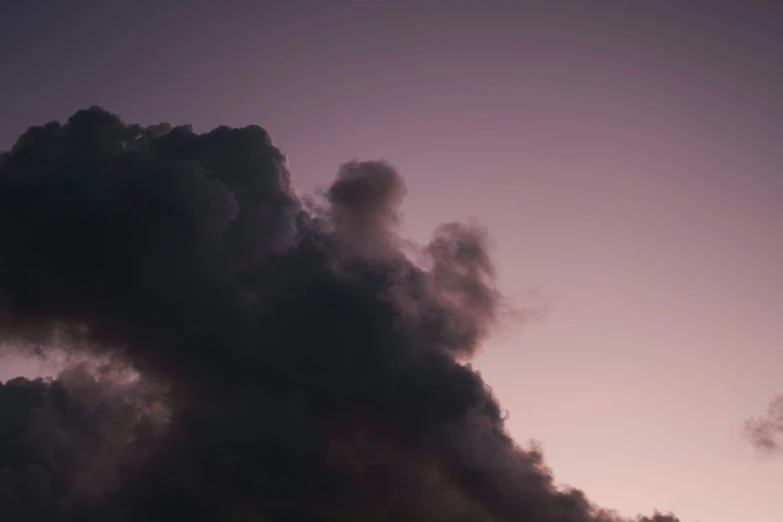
[234, 354]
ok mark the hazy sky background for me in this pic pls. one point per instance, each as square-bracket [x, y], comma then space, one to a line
[625, 156]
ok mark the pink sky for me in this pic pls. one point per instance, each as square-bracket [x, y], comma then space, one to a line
[625, 160]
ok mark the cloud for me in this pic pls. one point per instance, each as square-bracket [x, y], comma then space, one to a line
[765, 433]
[257, 358]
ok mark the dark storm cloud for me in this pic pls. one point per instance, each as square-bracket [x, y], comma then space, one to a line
[256, 360]
[765, 433]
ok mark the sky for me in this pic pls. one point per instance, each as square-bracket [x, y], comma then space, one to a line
[623, 155]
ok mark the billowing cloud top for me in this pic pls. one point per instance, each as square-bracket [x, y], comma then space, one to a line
[233, 354]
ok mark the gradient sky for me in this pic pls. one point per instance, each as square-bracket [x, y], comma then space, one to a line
[625, 156]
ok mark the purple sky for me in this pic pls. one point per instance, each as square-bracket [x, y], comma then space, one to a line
[624, 155]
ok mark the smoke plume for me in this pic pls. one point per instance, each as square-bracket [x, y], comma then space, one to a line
[237, 355]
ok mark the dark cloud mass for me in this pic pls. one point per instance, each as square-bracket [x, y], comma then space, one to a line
[236, 355]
